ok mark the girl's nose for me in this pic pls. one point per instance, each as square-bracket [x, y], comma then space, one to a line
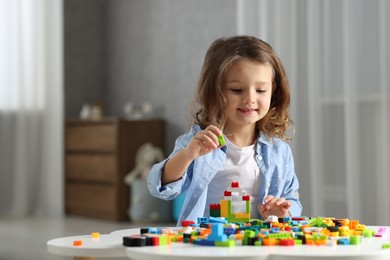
[249, 99]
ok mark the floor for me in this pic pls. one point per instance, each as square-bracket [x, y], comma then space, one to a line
[25, 238]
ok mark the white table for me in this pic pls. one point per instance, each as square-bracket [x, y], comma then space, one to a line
[110, 245]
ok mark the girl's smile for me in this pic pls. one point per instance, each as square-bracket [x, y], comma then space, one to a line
[247, 110]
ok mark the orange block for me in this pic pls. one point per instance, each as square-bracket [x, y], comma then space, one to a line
[269, 242]
[345, 222]
[353, 224]
[309, 242]
[77, 243]
[320, 242]
[205, 232]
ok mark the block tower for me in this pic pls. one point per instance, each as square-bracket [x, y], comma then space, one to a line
[225, 207]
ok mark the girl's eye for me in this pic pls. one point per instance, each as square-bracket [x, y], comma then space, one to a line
[260, 91]
[236, 90]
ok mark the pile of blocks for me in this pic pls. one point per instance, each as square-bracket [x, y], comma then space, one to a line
[227, 228]
[274, 231]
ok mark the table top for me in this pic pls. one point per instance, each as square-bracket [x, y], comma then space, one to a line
[110, 245]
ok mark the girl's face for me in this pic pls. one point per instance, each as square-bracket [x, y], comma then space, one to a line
[247, 89]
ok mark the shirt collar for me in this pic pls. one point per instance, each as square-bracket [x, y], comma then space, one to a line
[264, 139]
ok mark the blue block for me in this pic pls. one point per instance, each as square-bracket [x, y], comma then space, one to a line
[205, 242]
[202, 220]
[296, 229]
[343, 241]
[217, 233]
[229, 231]
[217, 220]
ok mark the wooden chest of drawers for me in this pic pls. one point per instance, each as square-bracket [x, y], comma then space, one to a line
[98, 156]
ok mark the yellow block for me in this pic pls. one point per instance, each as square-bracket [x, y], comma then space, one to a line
[241, 215]
[224, 208]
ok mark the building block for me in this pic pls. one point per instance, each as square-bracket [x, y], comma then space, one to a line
[226, 243]
[134, 241]
[217, 233]
[186, 223]
[95, 235]
[269, 242]
[215, 210]
[202, 219]
[343, 241]
[286, 242]
[221, 140]
[77, 243]
[355, 240]
[381, 231]
[224, 208]
[235, 185]
[218, 220]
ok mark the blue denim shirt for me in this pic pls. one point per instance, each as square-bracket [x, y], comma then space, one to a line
[273, 156]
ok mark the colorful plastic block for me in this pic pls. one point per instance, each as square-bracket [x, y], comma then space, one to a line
[77, 243]
[95, 235]
[221, 140]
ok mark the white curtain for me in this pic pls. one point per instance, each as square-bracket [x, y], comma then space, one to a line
[31, 107]
[337, 57]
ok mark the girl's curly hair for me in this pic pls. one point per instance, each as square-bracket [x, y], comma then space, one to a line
[209, 104]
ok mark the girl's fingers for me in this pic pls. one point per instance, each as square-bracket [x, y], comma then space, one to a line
[214, 129]
[287, 205]
[267, 199]
[274, 206]
[205, 140]
[280, 201]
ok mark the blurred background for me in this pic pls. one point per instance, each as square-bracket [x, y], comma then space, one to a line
[60, 60]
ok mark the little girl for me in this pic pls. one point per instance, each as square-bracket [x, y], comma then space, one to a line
[243, 95]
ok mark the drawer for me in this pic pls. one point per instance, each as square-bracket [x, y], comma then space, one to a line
[91, 137]
[91, 200]
[91, 167]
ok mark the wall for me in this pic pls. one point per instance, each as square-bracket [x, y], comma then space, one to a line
[120, 50]
[156, 50]
[84, 53]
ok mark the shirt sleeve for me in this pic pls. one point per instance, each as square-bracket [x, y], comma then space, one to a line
[173, 189]
[168, 191]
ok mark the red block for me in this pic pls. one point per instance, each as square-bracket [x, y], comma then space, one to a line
[246, 197]
[235, 184]
[227, 193]
[215, 206]
[286, 242]
[186, 223]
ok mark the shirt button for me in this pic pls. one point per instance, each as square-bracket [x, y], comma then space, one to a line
[259, 157]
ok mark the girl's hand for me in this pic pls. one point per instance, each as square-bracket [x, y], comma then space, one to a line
[274, 206]
[203, 142]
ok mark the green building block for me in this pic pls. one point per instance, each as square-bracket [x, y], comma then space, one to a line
[163, 240]
[215, 213]
[355, 240]
[226, 243]
[297, 242]
[221, 140]
[317, 222]
[367, 233]
[259, 242]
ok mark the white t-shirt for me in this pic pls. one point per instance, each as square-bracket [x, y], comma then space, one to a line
[240, 166]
